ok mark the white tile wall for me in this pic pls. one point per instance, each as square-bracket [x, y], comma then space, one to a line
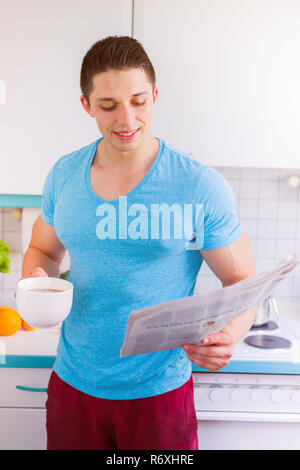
[10, 233]
[268, 208]
[270, 211]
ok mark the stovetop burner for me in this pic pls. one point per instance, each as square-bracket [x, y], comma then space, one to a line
[266, 349]
[268, 342]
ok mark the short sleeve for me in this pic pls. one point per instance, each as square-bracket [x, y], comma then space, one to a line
[221, 225]
[47, 212]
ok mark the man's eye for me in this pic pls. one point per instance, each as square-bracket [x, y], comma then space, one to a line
[113, 107]
[108, 109]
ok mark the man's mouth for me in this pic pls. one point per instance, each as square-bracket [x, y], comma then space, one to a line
[126, 135]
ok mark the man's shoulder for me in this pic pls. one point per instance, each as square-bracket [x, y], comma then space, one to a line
[187, 164]
[71, 160]
[189, 171]
[182, 158]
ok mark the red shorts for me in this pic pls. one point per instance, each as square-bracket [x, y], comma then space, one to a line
[75, 420]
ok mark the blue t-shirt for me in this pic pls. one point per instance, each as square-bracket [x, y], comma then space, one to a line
[120, 262]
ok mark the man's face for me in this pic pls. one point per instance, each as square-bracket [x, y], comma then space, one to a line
[122, 101]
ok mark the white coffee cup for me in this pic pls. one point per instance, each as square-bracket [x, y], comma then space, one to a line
[44, 301]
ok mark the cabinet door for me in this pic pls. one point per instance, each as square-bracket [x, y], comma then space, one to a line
[228, 75]
[22, 429]
[23, 387]
[42, 45]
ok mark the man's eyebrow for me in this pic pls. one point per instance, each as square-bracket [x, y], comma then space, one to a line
[112, 99]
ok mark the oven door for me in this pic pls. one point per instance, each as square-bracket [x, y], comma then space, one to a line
[220, 430]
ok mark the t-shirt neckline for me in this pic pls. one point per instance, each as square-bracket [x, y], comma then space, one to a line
[135, 189]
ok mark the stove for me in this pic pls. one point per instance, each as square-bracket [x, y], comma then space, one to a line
[280, 343]
[260, 385]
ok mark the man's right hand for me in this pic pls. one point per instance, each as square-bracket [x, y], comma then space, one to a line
[36, 272]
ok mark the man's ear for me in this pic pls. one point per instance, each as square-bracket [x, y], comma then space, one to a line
[86, 106]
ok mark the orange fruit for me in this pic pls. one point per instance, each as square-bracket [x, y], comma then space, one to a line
[10, 321]
[27, 327]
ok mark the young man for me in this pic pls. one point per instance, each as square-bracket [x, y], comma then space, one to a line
[97, 400]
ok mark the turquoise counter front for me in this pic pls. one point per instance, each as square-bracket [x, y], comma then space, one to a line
[20, 200]
[235, 367]
[256, 367]
[39, 362]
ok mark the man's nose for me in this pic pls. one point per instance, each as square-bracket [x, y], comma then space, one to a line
[125, 115]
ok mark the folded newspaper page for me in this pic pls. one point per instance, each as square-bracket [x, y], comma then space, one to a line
[187, 320]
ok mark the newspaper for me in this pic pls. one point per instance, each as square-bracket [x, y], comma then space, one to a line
[187, 320]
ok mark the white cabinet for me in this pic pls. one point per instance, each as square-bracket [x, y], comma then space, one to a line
[22, 429]
[233, 433]
[22, 408]
[42, 45]
[228, 75]
[228, 78]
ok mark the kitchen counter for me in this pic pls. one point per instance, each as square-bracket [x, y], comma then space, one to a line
[37, 349]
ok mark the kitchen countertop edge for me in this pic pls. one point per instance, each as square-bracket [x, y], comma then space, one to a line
[27, 361]
[235, 366]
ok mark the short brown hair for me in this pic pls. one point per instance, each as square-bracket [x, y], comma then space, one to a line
[114, 52]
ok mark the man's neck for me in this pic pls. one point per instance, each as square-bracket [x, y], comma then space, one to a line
[108, 157]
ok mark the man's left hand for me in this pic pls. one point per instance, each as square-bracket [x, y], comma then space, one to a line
[214, 353]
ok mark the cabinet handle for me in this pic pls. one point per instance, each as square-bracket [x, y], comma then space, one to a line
[31, 389]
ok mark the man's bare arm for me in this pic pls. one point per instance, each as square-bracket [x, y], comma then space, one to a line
[230, 264]
[44, 250]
